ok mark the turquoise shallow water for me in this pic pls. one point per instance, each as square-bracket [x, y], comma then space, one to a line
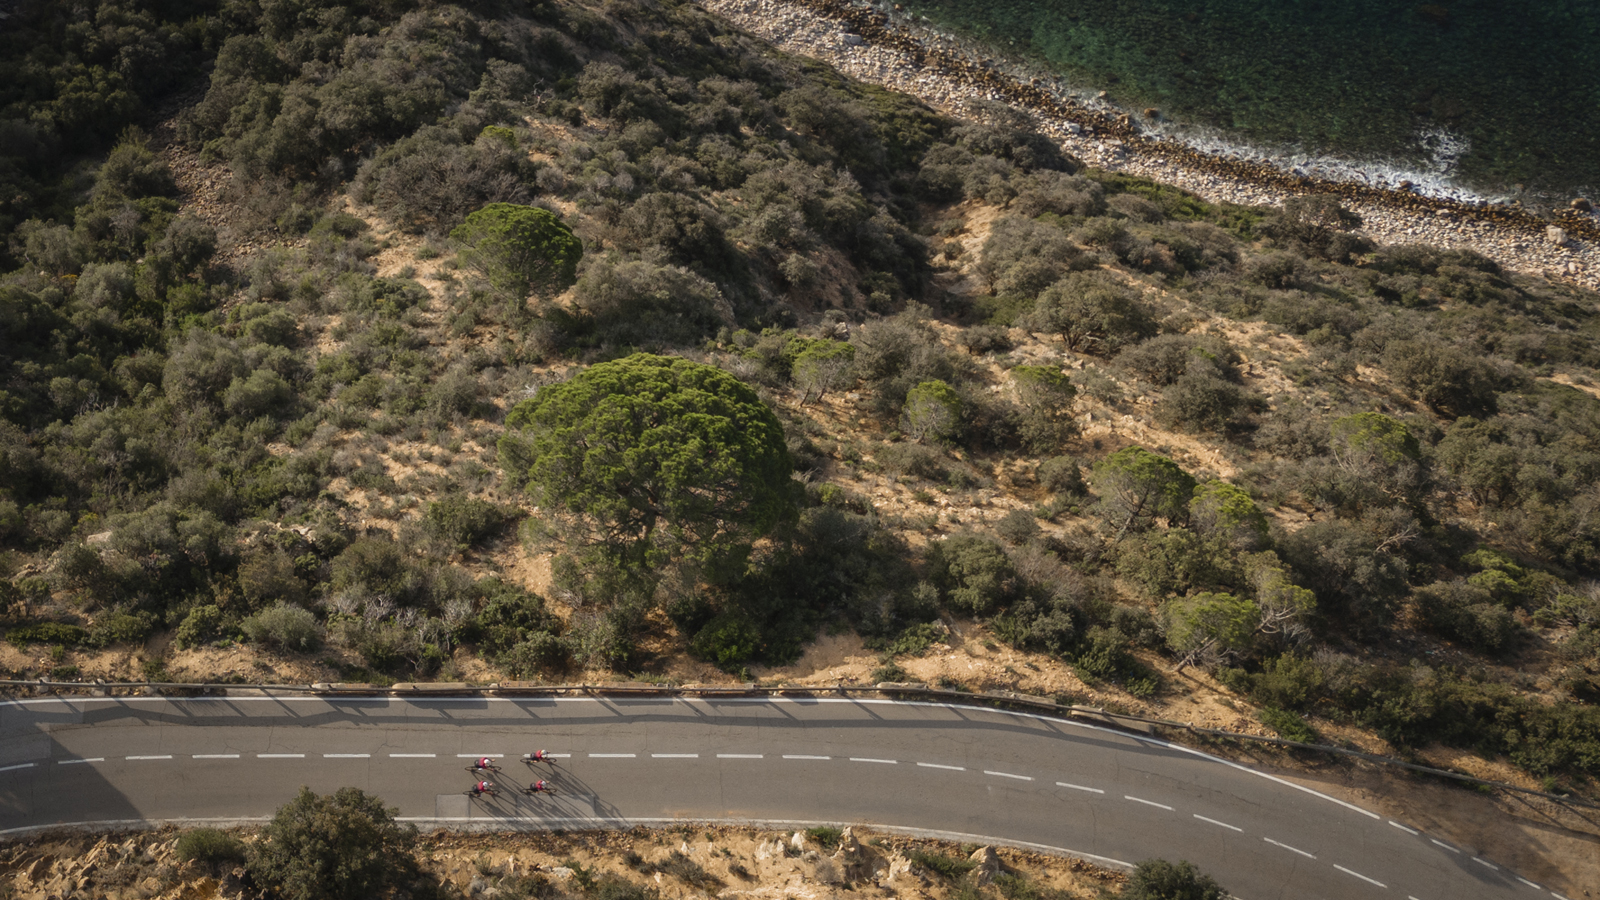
[1500, 92]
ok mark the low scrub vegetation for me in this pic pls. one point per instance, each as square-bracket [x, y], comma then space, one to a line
[677, 330]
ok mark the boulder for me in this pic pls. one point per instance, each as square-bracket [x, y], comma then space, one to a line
[798, 841]
[1556, 235]
[988, 865]
[1583, 205]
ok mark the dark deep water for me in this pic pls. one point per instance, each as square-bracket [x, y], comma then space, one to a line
[1491, 93]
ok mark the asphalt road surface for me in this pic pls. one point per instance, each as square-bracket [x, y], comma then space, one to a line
[953, 771]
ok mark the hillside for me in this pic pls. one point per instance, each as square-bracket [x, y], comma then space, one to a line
[640, 864]
[1044, 427]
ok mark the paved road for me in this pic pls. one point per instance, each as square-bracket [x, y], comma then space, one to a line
[959, 771]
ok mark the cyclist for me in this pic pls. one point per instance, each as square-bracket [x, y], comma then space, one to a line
[482, 764]
[537, 786]
[537, 756]
[482, 787]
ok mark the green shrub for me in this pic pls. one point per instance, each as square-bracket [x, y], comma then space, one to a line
[210, 846]
[1018, 526]
[1157, 879]
[932, 411]
[121, 628]
[345, 846]
[202, 625]
[463, 521]
[519, 249]
[47, 633]
[285, 627]
[973, 573]
[1092, 312]
[915, 640]
[728, 641]
[1467, 613]
[1288, 725]
[890, 672]
[826, 836]
[939, 864]
[541, 652]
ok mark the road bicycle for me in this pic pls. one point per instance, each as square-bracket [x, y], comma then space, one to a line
[484, 764]
[478, 790]
[538, 756]
[539, 787]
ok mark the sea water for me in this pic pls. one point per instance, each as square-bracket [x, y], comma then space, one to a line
[1491, 98]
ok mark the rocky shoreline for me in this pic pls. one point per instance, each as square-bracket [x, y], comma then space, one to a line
[869, 44]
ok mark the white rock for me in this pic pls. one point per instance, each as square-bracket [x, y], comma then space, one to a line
[1556, 235]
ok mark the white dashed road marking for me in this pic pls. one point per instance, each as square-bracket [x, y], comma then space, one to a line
[1402, 827]
[1444, 845]
[412, 755]
[1008, 775]
[1485, 862]
[1529, 883]
[73, 762]
[215, 756]
[275, 756]
[678, 756]
[612, 755]
[1360, 876]
[802, 756]
[1215, 822]
[888, 762]
[739, 756]
[1147, 802]
[346, 755]
[937, 766]
[1079, 787]
[1289, 848]
[488, 755]
[141, 757]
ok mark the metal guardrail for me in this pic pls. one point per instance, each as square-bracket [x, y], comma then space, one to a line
[1141, 724]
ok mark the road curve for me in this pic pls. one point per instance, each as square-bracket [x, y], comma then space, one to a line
[971, 772]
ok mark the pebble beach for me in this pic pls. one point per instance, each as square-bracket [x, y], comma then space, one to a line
[876, 47]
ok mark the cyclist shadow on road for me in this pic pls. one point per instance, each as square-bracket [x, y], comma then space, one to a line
[570, 801]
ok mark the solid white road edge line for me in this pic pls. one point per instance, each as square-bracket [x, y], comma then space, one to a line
[1289, 848]
[1079, 787]
[1215, 822]
[1360, 876]
[1403, 828]
[1147, 802]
